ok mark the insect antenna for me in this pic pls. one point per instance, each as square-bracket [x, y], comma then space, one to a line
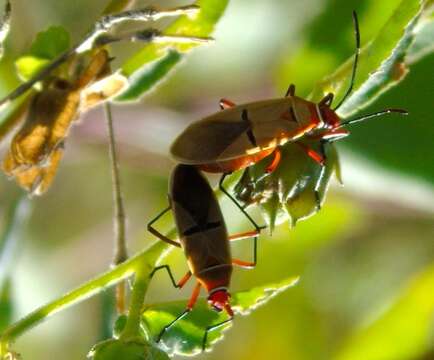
[369, 116]
[356, 60]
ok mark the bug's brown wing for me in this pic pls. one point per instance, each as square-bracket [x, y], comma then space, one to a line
[226, 135]
[199, 220]
[206, 140]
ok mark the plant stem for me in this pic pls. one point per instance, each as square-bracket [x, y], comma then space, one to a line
[120, 253]
[145, 261]
[142, 263]
[120, 248]
[132, 327]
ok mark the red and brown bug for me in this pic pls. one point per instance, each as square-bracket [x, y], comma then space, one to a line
[241, 135]
[204, 238]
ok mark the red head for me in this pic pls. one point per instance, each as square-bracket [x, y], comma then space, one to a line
[219, 300]
[330, 118]
[331, 123]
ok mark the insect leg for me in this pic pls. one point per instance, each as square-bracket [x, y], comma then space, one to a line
[226, 104]
[180, 283]
[249, 264]
[318, 158]
[190, 305]
[211, 328]
[290, 91]
[276, 160]
[159, 235]
[356, 59]
[243, 235]
[256, 226]
[320, 177]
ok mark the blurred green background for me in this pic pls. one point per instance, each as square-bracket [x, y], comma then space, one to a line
[366, 261]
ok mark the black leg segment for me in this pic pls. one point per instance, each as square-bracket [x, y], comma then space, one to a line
[256, 226]
[211, 328]
[169, 272]
[159, 235]
[168, 326]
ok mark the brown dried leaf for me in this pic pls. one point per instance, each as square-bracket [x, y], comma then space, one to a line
[103, 90]
[37, 148]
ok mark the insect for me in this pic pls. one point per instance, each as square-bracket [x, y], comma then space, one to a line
[241, 135]
[204, 238]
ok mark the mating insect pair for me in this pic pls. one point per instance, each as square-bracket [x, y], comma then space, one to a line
[204, 238]
[233, 139]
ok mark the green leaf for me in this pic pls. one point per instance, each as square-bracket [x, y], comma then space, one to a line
[27, 66]
[16, 218]
[15, 221]
[114, 349]
[185, 337]
[47, 46]
[116, 6]
[6, 304]
[402, 145]
[402, 331]
[50, 43]
[119, 325]
[381, 62]
[144, 77]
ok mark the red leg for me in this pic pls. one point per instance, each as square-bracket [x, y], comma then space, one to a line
[194, 296]
[178, 285]
[243, 235]
[189, 307]
[312, 154]
[248, 234]
[184, 280]
[243, 264]
[226, 104]
[276, 160]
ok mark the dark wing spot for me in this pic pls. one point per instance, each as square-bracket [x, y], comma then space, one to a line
[292, 112]
[289, 115]
[202, 228]
[249, 131]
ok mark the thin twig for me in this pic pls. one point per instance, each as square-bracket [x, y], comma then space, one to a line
[103, 26]
[120, 252]
[5, 25]
[151, 256]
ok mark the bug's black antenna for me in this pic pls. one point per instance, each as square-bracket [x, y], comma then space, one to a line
[356, 59]
[378, 113]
